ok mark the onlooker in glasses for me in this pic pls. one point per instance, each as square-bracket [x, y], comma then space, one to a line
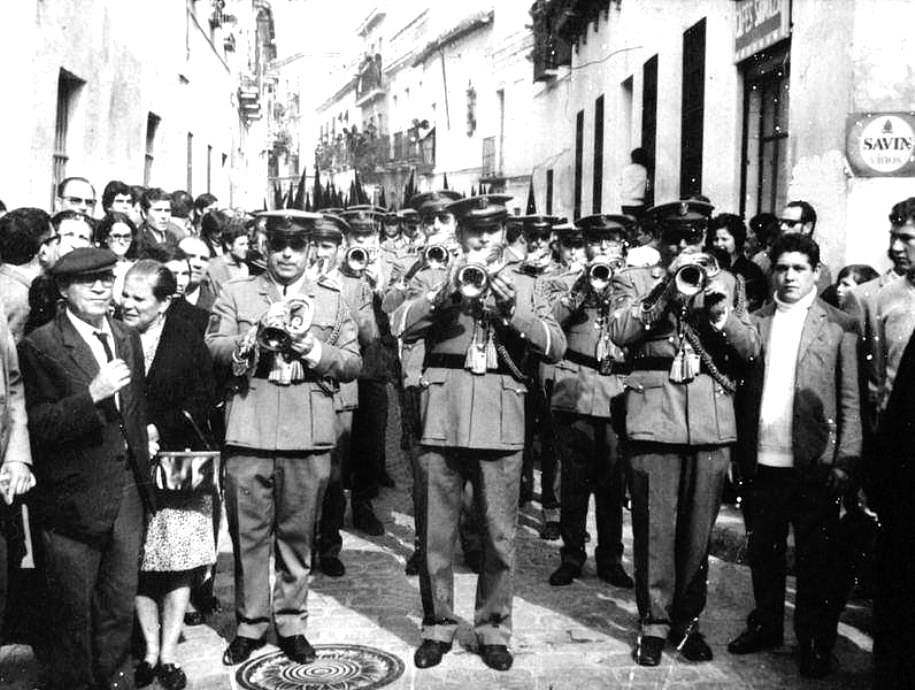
[76, 194]
[118, 233]
[800, 217]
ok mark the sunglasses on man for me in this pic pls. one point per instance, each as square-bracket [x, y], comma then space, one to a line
[278, 244]
[78, 201]
[104, 277]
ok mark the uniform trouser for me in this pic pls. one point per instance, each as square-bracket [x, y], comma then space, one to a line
[272, 503]
[676, 493]
[495, 476]
[777, 498]
[333, 507]
[550, 460]
[91, 589]
[590, 464]
[370, 420]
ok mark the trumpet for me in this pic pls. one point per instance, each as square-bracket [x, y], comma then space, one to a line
[436, 255]
[357, 259]
[474, 278]
[693, 277]
[275, 331]
[601, 270]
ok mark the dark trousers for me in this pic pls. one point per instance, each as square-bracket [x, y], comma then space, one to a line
[590, 464]
[894, 600]
[272, 503]
[333, 507]
[495, 477]
[775, 499]
[538, 426]
[370, 420]
[91, 589]
[676, 493]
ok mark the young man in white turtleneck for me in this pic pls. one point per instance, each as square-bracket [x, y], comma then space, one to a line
[801, 437]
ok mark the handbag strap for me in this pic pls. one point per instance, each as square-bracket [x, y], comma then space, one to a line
[190, 418]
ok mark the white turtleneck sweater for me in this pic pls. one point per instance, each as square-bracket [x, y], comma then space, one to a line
[776, 411]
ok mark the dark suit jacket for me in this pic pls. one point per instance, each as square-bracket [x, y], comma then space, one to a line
[197, 317]
[78, 447]
[180, 378]
[827, 411]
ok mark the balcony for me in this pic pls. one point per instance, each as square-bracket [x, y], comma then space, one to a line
[369, 83]
[372, 154]
[557, 25]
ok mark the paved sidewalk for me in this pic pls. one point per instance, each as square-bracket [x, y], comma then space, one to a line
[578, 637]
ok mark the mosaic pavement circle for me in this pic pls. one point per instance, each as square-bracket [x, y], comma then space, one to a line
[338, 667]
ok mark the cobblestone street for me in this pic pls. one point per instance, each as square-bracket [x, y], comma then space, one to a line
[578, 637]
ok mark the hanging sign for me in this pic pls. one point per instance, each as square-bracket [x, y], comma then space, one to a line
[881, 144]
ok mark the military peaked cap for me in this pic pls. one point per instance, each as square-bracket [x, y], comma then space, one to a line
[480, 211]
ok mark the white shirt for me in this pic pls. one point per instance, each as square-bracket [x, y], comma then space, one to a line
[776, 411]
[633, 182]
[87, 332]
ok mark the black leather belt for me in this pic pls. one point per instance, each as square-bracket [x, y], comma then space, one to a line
[591, 362]
[658, 364]
[441, 360]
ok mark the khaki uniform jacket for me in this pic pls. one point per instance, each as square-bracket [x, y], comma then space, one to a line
[465, 410]
[826, 423]
[300, 416]
[700, 412]
[358, 297]
[580, 388]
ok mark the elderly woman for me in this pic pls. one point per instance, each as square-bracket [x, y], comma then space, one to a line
[179, 541]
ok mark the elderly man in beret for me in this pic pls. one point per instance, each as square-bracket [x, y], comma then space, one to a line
[83, 374]
[289, 340]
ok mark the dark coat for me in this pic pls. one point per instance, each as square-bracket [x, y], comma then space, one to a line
[78, 447]
[827, 411]
[198, 317]
[180, 378]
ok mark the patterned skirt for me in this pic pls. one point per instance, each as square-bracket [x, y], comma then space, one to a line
[180, 535]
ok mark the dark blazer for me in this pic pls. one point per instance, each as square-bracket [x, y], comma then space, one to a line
[78, 447]
[180, 378]
[199, 318]
[827, 411]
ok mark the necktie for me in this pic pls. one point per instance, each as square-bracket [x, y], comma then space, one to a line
[103, 338]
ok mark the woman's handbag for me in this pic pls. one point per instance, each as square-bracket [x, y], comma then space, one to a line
[188, 471]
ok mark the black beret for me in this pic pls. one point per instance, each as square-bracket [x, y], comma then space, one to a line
[428, 203]
[480, 211]
[84, 261]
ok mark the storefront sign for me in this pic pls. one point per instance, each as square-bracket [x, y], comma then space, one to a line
[760, 23]
[881, 144]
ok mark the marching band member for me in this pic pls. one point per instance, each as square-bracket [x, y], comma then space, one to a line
[288, 339]
[687, 335]
[586, 401]
[476, 326]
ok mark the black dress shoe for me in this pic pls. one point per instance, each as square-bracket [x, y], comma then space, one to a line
[754, 639]
[332, 566]
[550, 531]
[430, 653]
[564, 574]
[193, 618]
[496, 656]
[144, 674]
[474, 561]
[364, 520]
[413, 563]
[171, 677]
[616, 576]
[693, 646]
[815, 662]
[298, 649]
[648, 651]
[240, 649]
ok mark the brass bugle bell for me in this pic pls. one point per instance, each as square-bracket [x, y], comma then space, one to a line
[436, 255]
[693, 277]
[357, 259]
[273, 334]
[472, 280]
